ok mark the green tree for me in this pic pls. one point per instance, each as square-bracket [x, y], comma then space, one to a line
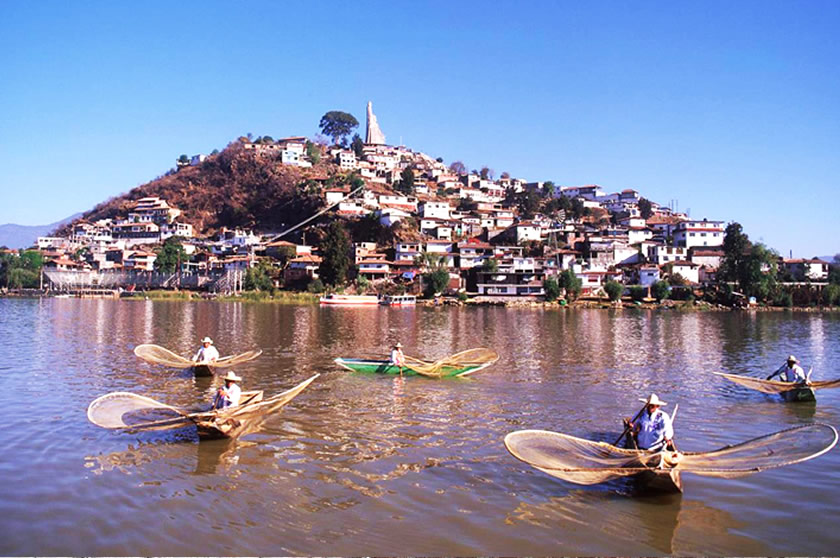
[834, 271]
[458, 168]
[335, 255]
[19, 278]
[570, 282]
[435, 282]
[258, 278]
[486, 173]
[659, 290]
[637, 293]
[313, 152]
[736, 248]
[362, 283]
[614, 290]
[645, 208]
[831, 295]
[490, 265]
[170, 256]
[358, 146]
[183, 159]
[406, 183]
[338, 125]
[551, 289]
[548, 189]
[527, 203]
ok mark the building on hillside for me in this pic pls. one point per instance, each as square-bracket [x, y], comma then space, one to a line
[374, 269]
[301, 269]
[153, 210]
[389, 216]
[690, 234]
[687, 270]
[649, 274]
[813, 269]
[406, 251]
[435, 209]
[506, 281]
[347, 160]
[705, 257]
[660, 254]
[334, 195]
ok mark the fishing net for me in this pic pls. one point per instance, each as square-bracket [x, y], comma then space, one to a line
[586, 462]
[775, 386]
[471, 358]
[161, 355]
[128, 410]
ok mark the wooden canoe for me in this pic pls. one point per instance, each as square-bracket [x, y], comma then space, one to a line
[385, 367]
[232, 422]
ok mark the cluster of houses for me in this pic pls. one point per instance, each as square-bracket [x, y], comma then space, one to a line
[459, 220]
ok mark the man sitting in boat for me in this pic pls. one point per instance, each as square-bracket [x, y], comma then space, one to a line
[228, 396]
[397, 356]
[653, 431]
[207, 352]
[791, 370]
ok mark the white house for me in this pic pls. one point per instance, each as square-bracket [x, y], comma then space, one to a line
[814, 269]
[435, 210]
[687, 270]
[660, 254]
[388, 216]
[689, 234]
[648, 275]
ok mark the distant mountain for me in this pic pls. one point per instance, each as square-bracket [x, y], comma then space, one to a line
[24, 236]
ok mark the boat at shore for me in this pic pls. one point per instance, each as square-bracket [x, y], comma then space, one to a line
[587, 462]
[349, 300]
[385, 367]
[399, 300]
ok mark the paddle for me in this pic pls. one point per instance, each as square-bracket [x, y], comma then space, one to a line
[627, 426]
[673, 418]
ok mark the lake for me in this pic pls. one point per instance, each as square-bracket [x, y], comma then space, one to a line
[381, 465]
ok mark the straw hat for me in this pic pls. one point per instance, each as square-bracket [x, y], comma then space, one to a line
[653, 400]
[792, 358]
[207, 340]
[398, 345]
[232, 377]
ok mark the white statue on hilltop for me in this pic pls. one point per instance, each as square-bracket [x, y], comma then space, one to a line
[374, 135]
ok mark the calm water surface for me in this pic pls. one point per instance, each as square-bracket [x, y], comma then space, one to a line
[373, 465]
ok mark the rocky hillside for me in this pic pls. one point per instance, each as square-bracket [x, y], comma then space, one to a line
[234, 188]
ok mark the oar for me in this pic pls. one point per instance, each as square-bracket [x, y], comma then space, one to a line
[673, 418]
[627, 427]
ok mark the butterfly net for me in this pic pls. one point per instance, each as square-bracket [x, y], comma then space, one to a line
[583, 461]
[161, 355]
[471, 358]
[775, 386]
[128, 410]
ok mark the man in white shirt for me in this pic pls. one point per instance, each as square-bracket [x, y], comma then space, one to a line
[653, 431]
[397, 356]
[791, 370]
[229, 395]
[207, 353]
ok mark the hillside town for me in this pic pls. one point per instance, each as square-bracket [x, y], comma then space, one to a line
[495, 236]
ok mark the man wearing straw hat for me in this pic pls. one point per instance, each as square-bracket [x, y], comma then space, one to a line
[792, 371]
[229, 394]
[397, 356]
[653, 430]
[207, 353]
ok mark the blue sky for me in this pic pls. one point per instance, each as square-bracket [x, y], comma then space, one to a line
[730, 108]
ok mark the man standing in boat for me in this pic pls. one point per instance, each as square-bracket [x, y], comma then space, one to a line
[207, 353]
[397, 356]
[230, 393]
[791, 370]
[653, 430]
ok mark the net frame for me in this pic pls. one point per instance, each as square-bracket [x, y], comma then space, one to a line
[582, 461]
[774, 387]
[155, 354]
[471, 357]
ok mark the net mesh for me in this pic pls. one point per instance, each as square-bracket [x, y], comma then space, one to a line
[471, 357]
[156, 354]
[775, 386]
[128, 410]
[583, 461]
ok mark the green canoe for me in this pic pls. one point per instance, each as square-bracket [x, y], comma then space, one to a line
[385, 367]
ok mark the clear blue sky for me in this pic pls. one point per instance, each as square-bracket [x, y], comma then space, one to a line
[731, 108]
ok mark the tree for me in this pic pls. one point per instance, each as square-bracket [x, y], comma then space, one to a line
[258, 278]
[614, 290]
[527, 203]
[183, 158]
[436, 282]
[430, 261]
[551, 289]
[335, 255]
[490, 265]
[570, 282]
[338, 125]
[358, 146]
[439, 159]
[170, 256]
[645, 208]
[834, 271]
[486, 173]
[736, 247]
[659, 290]
[505, 175]
[313, 152]
[458, 168]
[548, 189]
[406, 182]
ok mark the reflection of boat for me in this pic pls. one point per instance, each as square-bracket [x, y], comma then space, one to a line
[790, 391]
[349, 300]
[399, 300]
[583, 461]
[385, 367]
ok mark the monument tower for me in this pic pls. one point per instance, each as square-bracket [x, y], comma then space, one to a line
[373, 135]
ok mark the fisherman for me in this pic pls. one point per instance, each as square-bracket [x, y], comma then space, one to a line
[791, 370]
[397, 356]
[653, 430]
[230, 393]
[207, 352]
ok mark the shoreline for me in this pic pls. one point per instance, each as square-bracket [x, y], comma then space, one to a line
[295, 297]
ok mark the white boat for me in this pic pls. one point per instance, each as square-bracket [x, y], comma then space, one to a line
[399, 300]
[349, 300]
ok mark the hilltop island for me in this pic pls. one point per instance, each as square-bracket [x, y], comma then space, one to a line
[333, 213]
